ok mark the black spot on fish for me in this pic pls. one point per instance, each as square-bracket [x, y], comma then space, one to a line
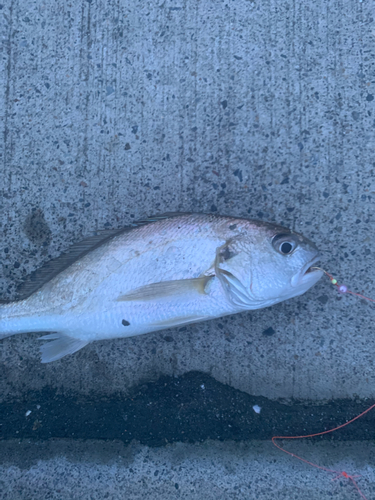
[232, 227]
[125, 323]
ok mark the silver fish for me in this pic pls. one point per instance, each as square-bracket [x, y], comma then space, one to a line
[175, 270]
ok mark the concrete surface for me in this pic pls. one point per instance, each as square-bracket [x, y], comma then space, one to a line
[71, 470]
[113, 110]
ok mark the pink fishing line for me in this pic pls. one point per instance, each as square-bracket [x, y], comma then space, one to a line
[339, 473]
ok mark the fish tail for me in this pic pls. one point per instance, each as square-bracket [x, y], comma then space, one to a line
[14, 319]
[7, 326]
[61, 344]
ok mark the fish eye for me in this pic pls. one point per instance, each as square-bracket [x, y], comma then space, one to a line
[286, 247]
[284, 244]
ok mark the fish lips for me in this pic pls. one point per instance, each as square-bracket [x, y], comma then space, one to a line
[307, 277]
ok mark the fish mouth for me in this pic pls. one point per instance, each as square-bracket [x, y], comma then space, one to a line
[309, 267]
[309, 272]
[308, 275]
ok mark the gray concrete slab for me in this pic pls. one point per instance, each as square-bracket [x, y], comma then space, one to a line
[113, 110]
[70, 470]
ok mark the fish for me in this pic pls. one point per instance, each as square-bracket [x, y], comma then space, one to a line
[167, 271]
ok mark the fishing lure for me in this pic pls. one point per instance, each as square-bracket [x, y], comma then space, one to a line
[342, 288]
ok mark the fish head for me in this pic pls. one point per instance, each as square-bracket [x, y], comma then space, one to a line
[269, 264]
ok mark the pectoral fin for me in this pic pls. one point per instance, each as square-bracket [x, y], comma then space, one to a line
[164, 289]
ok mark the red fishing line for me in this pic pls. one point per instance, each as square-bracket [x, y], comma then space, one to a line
[339, 473]
[341, 289]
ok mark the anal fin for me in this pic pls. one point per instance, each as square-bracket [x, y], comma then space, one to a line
[61, 346]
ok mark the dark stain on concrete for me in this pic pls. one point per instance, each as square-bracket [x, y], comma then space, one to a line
[191, 408]
[36, 228]
[269, 331]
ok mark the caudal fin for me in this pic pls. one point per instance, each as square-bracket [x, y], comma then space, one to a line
[7, 327]
[61, 346]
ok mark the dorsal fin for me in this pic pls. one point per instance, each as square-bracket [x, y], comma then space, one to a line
[155, 218]
[55, 266]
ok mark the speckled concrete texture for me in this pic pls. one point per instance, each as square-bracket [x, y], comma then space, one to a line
[112, 110]
[66, 470]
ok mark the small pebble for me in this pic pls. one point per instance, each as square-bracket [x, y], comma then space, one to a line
[257, 408]
[27, 413]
